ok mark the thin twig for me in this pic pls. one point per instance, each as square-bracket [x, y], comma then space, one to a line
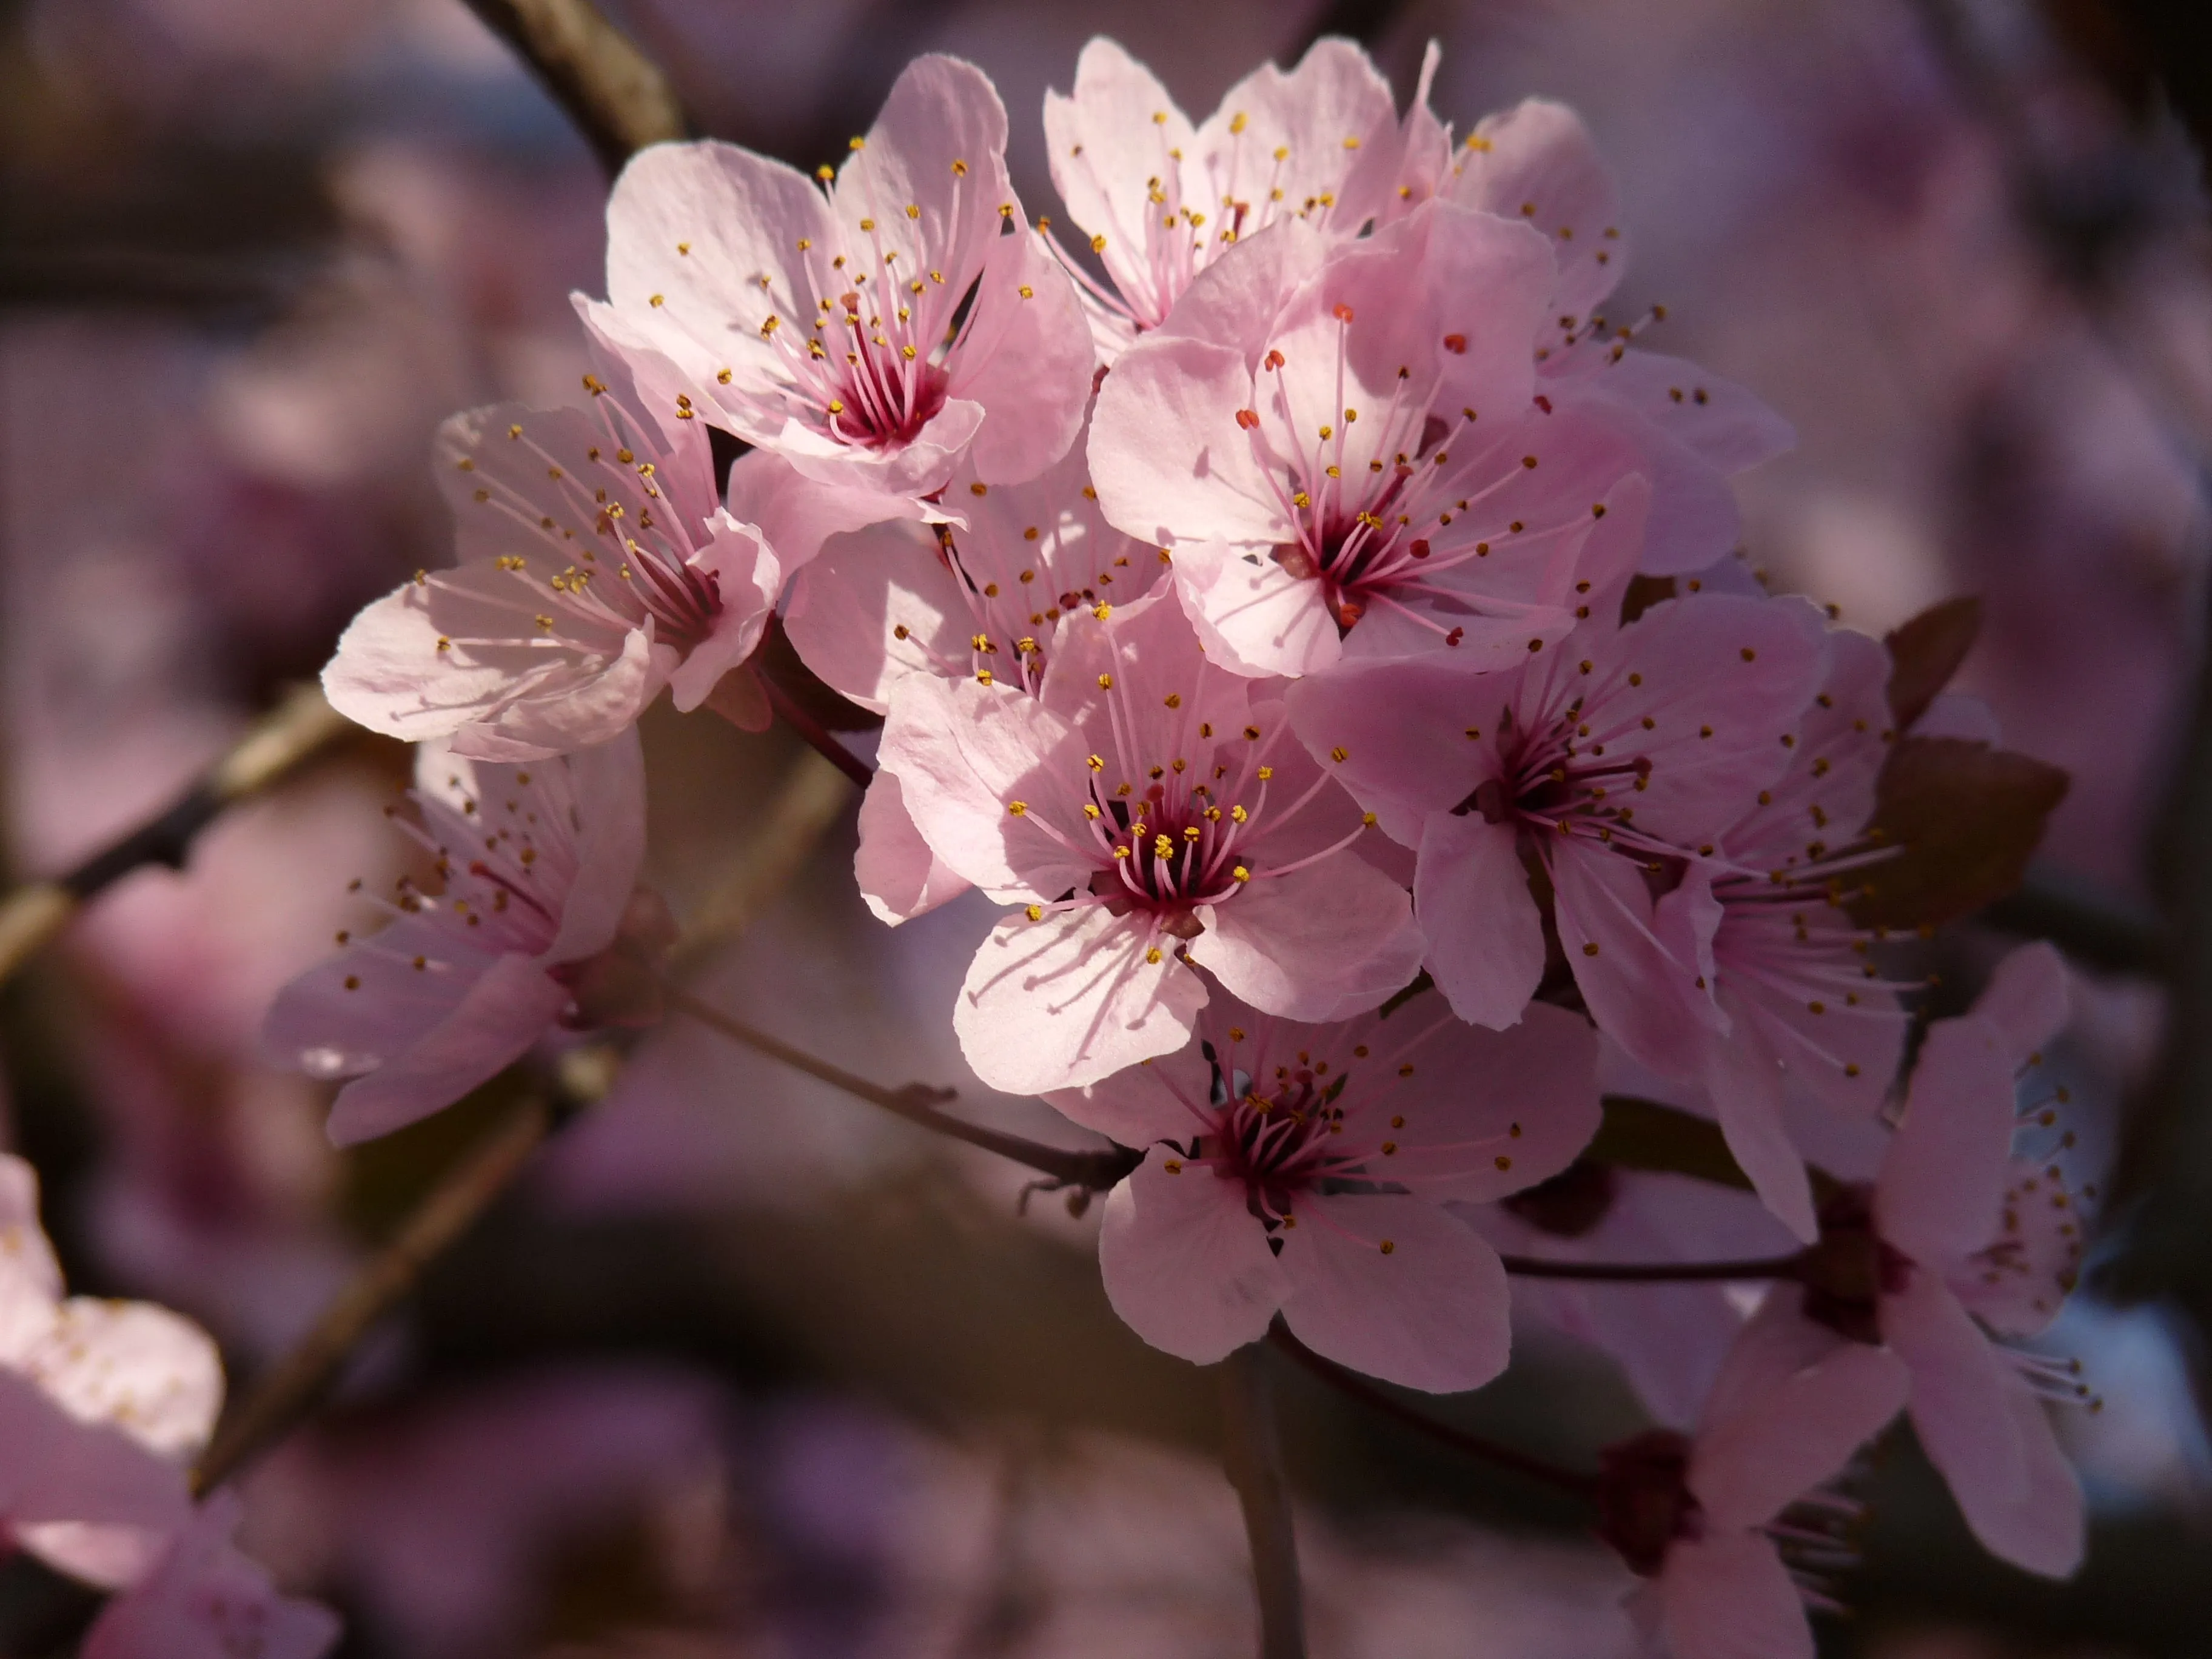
[1654, 1273]
[818, 736]
[281, 741]
[1253, 1456]
[812, 796]
[291, 1392]
[917, 1103]
[617, 97]
[1351, 1383]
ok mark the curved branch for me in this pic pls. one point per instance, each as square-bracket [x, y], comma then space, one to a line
[617, 97]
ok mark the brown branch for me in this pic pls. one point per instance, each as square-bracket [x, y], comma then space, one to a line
[290, 1393]
[1654, 1272]
[1253, 1457]
[917, 1103]
[818, 737]
[617, 97]
[277, 745]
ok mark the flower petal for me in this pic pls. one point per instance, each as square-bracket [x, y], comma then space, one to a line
[899, 877]
[1185, 1264]
[1940, 1190]
[1485, 936]
[1960, 1396]
[1727, 1596]
[1325, 942]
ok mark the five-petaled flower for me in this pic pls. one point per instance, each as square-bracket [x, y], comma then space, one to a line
[1302, 1169]
[202, 1600]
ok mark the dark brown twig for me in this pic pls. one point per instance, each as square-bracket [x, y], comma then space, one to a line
[818, 736]
[1654, 1273]
[1253, 1456]
[616, 96]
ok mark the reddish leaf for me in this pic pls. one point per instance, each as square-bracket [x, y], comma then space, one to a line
[1967, 817]
[1925, 652]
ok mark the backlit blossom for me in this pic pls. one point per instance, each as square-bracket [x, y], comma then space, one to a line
[1538, 163]
[1700, 1517]
[101, 1403]
[537, 865]
[1598, 761]
[598, 565]
[205, 1600]
[872, 331]
[1300, 1169]
[1146, 812]
[1160, 199]
[977, 600]
[1343, 446]
[1958, 1235]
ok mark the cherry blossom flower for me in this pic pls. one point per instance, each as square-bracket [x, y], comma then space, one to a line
[1148, 813]
[1341, 445]
[1763, 924]
[1956, 1231]
[1599, 761]
[205, 1600]
[870, 332]
[598, 565]
[897, 599]
[1160, 199]
[539, 864]
[100, 1404]
[1537, 162]
[1699, 1517]
[1300, 1169]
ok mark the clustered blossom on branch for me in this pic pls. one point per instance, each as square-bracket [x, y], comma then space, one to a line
[1312, 619]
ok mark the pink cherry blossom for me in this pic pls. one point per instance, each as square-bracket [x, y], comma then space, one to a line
[538, 864]
[598, 565]
[1956, 1231]
[1699, 1517]
[205, 1600]
[1148, 812]
[972, 600]
[1239, 1211]
[1604, 762]
[1357, 462]
[100, 1404]
[1762, 923]
[1160, 199]
[871, 331]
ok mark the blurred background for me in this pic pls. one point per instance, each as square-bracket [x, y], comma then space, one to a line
[742, 1370]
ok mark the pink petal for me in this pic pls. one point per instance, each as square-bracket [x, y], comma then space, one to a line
[2027, 1000]
[796, 515]
[204, 1600]
[1429, 1313]
[1727, 1596]
[1750, 1465]
[2019, 1283]
[845, 605]
[900, 878]
[1537, 161]
[1403, 728]
[1941, 1186]
[1643, 991]
[1724, 426]
[1254, 616]
[1491, 280]
[1168, 457]
[2042, 1528]
[1325, 942]
[321, 1025]
[1065, 1001]
[1486, 1113]
[1745, 1084]
[1961, 1393]
[493, 1023]
[747, 577]
[30, 1277]
[1164, 1098]
[606, 783]
[152, 1373]
[114, 1496]
[1334, 95]
[1184, 1263]
[1028, 360]
[1485, 935]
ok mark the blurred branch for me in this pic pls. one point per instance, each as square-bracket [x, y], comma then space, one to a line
[917, 1103]
[279, 745]
[1654, 1273]
[1365, 20]
[813, 796]
[1353, 1386]
[2098, 930]
[817, 737]
[304, 1376]
[1253, 1456]
[617, 97]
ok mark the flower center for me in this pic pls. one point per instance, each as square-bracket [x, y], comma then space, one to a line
[1852, 1268]
[1170, 854]
[1643, 1498]
[1279, 1144]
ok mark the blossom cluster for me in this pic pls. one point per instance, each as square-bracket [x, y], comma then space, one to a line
[1292, 597]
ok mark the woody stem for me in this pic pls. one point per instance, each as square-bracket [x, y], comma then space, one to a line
[817, 735]
[1656, 1272]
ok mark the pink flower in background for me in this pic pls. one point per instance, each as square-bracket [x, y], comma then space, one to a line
[101, 1402]
[1801, 1003]
[1599, 761]
[1160, 199]
[1537, 162]
[598, 565]
[205, 1600]
[870, 332]
[539, 864]
[1954, 1230]
[1148, 813]
[1239, 1210]
[1697, 1517]
[981, 600]
[1339, 443]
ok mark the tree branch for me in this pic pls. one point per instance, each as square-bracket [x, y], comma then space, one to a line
[818, 737]
[1654, 1272]
[1253, 1457]
[617, 97]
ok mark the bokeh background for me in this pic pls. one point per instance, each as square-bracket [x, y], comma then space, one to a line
[741, 1370]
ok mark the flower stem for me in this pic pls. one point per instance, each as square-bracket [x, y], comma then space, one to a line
[1351, 1383]
[1654, 1273]
[1253, 1457]
[917, 1103]
[816, 734]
